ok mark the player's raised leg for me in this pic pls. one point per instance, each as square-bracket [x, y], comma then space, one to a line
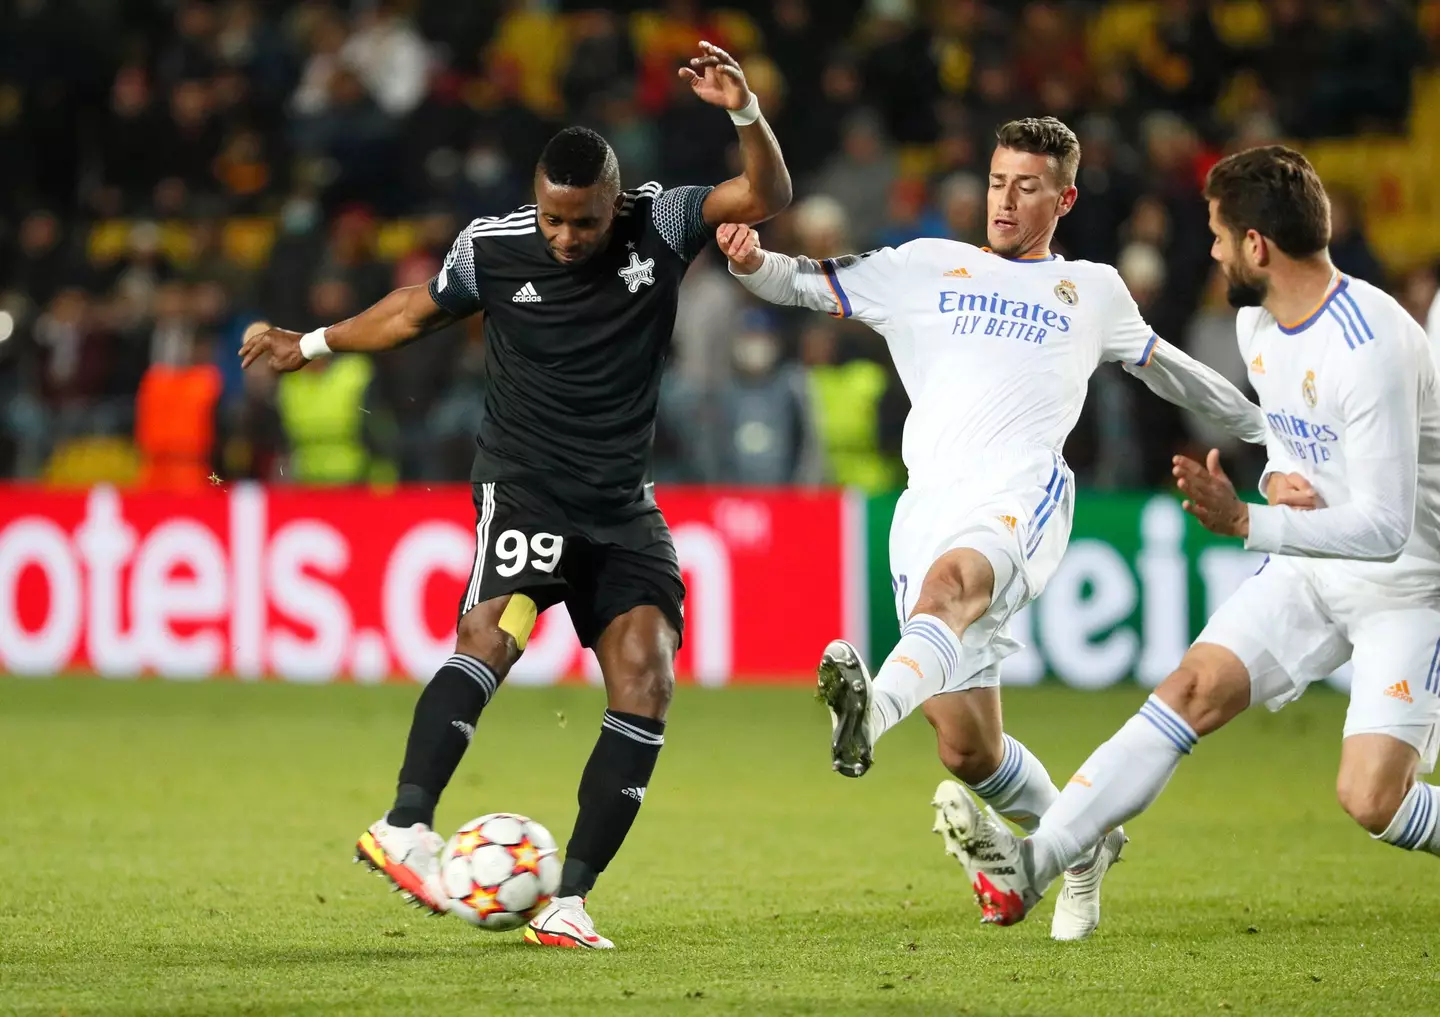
[1391, 729]
[637, 657]
[928, 658]
[402, 845]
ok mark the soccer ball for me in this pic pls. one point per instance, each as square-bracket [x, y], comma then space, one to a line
[499, 870]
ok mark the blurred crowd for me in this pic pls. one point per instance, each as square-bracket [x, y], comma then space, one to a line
[177, 171]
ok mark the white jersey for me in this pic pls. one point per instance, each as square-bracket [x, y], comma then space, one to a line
[1432, 327]
[995, 354]
[992, 352]
[1352, 402]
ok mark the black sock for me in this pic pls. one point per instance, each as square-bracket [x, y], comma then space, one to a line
[611, 790]
[444, 723]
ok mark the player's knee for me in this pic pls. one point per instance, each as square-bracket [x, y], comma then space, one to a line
[1202, 698]
[479, 635]
[970, 761]
[957, 589]
[1371, 799]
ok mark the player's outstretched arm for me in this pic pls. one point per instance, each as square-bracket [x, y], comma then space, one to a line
[401, 316]
[1178, 378]
[853, 285]
[763, 188]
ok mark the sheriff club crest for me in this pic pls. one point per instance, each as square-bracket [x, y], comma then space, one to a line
[638, 273]
[1307, 389]
[1065, 290]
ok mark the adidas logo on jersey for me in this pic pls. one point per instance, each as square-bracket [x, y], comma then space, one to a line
[637, 793]
[1258, 364]
[526, 295]
[1400, 691]
[957, 273]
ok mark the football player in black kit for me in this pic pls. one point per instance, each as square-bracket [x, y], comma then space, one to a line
[579, 293]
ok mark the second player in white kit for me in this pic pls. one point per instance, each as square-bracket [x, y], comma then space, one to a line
[995, 347]
[1352, 406]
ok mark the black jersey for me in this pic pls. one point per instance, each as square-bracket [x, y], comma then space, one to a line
[574, 354]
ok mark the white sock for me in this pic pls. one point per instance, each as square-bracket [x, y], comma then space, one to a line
[1118, 782]
[921, 663]
[1019, 789]
[1414, 827]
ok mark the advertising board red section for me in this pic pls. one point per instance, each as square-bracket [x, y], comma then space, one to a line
[315, 586]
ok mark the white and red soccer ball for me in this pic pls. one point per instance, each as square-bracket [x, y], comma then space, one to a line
[499, 870]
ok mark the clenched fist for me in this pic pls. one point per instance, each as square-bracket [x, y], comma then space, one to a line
[741, 245]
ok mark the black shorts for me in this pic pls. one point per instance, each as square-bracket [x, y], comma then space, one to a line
[599, 566]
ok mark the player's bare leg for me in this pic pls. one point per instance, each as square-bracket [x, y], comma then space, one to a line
[1377, 787]
[637, 658]
[402, 845]
[1118, 782]
[1003, 773]
[955, 592]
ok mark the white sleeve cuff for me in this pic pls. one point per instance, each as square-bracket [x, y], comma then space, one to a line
[1267, 528]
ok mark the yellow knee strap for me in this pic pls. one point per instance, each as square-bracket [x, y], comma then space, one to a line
[518, 618]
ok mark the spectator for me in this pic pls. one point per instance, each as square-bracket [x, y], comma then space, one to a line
[175, 412]
[766, 432]
[1349, 248]
[390, 58]
[129, 140]
[962, 202]
[858, 176]
[846, 396]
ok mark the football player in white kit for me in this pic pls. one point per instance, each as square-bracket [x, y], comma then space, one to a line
[995, 347]
[1352, 527]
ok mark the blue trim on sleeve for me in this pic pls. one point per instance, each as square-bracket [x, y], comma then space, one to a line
[829, 266]
[1149, 351]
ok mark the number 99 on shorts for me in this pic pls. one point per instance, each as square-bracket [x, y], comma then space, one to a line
[514, 551]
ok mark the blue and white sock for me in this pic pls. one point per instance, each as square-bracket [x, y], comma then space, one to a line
[1119, 781]
[1020, 789]
[1414, 827]
[921, 664]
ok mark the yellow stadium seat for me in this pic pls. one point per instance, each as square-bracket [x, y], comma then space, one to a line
[1240, 23]
[248, 241]
[175, 241]
[740, 30]
[396, 238]
[85, 462]
[108, 240]
[1120, 29]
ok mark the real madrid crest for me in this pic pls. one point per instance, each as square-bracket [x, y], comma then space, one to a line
[1307, 389]
[1065, 290]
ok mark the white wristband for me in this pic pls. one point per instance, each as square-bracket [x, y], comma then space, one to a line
[312, 345]
[747, 114]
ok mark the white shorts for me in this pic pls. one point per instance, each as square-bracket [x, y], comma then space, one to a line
[1015, 508]
[1296, 620]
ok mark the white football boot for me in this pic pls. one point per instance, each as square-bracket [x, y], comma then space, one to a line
[1077, 909]
[843, 684]
[566, 923]
[408, 856]
[993, 857]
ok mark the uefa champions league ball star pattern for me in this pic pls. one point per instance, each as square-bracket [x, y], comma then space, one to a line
[498, 871]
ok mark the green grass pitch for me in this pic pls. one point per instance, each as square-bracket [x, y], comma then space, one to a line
[185, 849]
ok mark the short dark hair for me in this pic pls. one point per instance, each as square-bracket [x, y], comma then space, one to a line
[578, 157]
[1274, 191]
[1044, 136]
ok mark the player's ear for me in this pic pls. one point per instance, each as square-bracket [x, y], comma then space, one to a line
[1259, 248]
[1067, 200]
